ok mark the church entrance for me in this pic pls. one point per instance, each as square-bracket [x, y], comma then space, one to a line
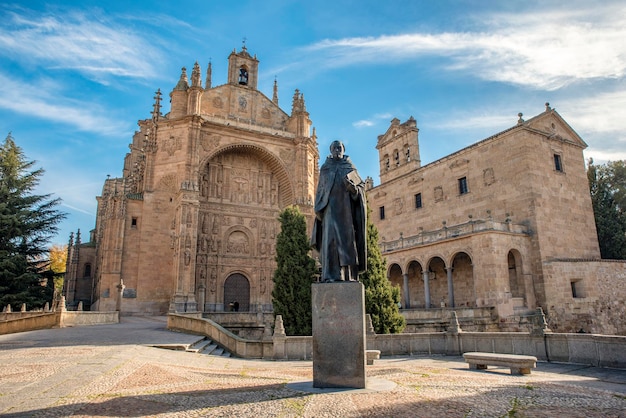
[237, 293]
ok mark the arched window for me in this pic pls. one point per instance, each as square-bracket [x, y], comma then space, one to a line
[87, 272]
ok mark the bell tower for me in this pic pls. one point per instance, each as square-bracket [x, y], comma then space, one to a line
[243, 69]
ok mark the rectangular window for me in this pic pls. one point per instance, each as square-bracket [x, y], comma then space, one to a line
[381, 212]
[418, 201]
[463, 185]
[133, 222]
[558, 166]
[577, 289]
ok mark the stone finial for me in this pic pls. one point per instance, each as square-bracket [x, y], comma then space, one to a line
[46, 308]
[455, 327]
[548, 108]
[369, 326]
[62, 307]
[7, 308]
[520, 120]
[80, 306]
[156, 107]
[279, 327]
[275, 95]
[23, 309]
[183, 83]
[196, 78]
[209, 68]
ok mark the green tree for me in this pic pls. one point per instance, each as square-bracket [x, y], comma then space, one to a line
[381, 297]
[27, 222]
[295, 271]
[607, 184]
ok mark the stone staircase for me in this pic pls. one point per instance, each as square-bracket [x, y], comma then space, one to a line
[201, 346]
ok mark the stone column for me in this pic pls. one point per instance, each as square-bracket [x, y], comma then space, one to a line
[407, 299]
[426, 289]
[450, 287]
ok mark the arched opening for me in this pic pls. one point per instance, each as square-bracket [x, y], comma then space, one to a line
[463, 281]
[237, 293]
[438, 285]
[243, 75]
[516, 283]
[416, 289]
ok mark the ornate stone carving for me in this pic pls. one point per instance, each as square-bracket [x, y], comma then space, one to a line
[398, 205]
[488, 176]
[238, 243]
[438, 194]
[168, 183]
[171, 145]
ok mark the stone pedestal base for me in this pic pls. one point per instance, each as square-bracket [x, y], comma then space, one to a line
[338, 335]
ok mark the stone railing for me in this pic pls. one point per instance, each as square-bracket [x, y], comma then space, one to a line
[448, 232]
[30, 321]
[592, 349]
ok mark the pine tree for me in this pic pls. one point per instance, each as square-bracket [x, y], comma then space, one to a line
[295, 272]
[27, 222]
[381, 298]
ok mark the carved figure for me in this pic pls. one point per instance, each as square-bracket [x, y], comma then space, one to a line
[339, 231]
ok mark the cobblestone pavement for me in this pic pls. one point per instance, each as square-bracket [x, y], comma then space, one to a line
[111, 371]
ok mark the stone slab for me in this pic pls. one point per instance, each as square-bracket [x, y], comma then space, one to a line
[338, 335]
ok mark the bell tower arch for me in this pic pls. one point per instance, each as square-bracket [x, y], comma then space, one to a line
[243, 69]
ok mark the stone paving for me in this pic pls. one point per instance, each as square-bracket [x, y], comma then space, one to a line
[112, 371]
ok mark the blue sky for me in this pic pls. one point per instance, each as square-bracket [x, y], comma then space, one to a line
[77, 75]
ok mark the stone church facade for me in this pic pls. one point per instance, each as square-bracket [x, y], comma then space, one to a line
[191, 224]
[493, 231]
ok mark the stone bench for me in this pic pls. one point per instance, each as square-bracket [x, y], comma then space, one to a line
[372, 355]
[517, 363]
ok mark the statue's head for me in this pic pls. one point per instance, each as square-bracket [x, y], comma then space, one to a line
[337, 149]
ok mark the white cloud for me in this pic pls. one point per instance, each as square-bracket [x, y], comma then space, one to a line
[543, 49]
[366, 123]
[41, 99]
[93, 45]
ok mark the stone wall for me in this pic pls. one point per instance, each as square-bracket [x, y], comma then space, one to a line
[23, 321]
[599, 305]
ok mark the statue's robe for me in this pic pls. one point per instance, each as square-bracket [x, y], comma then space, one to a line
[339, 233]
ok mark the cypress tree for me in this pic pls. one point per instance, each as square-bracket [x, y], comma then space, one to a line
[27, 222]
[381, 298]
[295, 272]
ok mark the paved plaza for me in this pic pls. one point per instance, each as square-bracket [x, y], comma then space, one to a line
[113, 371]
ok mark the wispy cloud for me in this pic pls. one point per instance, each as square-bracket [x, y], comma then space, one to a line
[372, 121]
[540, 49]
[91, 44]
[42, 99]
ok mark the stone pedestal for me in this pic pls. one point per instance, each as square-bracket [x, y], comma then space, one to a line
[338, 335]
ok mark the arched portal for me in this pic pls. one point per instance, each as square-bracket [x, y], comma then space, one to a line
[237, 293]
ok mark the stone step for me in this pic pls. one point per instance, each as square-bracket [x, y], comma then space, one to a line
[199, 346]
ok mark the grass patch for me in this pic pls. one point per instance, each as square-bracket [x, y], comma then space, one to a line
[514, 408]
[528, 386]
[296, 405]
